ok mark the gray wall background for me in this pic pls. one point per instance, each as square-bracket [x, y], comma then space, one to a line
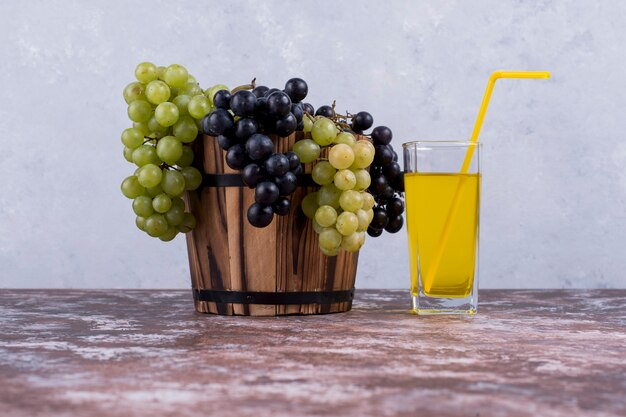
[554, 209]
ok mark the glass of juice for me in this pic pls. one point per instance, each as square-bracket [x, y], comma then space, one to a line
[442, 212]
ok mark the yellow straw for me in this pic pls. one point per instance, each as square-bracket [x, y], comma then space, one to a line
[468, 158]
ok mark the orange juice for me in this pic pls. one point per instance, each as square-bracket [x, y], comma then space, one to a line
[429, 199]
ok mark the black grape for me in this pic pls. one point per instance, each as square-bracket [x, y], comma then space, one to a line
[260, 215]
[383, 155]
[278, 104]
[259, 146]
[296, 89]
[277, 165]
[260, 90]
[221, 99]
[286, 126]
[395, 207]
[381, 135]
[243, 103]
[282, 206]
[294, 160]
[245, 127]
[251, 175]
[380, 219]
[395, 224]
[392, 170]
[374, 232]
[362, 121]
[225, 142]
[266, 192]
[308, 108]
[217, 122]
[236, 157]
[325, 111]
[286, 183]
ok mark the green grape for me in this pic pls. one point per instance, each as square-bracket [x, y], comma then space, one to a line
[140, 222]
[368, 201]
[188, 223]
[364, 220]
[128, 154]
[351, 200]
[324, 131]
[345, 179]
[191, 90]
[156, 225]
[134, 91]
[187, 158]
[363, 179]
[353, 242]
[309, 205]
[323, 173]
[199, 106]
[154, 191]
[178, 202]
[346, 138]
[142, 127]
[161, 203]
[132, 138]
[175, 214]
[210, 92]
[150, 175]
[370, 215]
[139, 111]
[146, 72]
[192, 79]
[161, 72]
[341, 156]
[347, 223]
[173, 183]
[363, 154]
[142, 206]
[157, 92]
[182, 102]
[176, 75]
[329, 195]
[166, 114]
[169, 150]
[185, 129]
[193, 178]
[198, 124]
[145, 154]
[330, 239]
[326, 216]
[155, 127]
[317, 227]
[131, 187]
[307, 150]
[308, 124]
[169, 235]
[330, 252]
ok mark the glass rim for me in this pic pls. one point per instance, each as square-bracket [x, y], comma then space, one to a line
[448, 143]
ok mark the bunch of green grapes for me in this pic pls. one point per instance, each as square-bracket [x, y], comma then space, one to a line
[165, 105]
[342, 208]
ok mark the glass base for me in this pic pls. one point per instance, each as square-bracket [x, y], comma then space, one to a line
[424, 305]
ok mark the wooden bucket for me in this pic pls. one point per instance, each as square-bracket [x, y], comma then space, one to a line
[237, 269]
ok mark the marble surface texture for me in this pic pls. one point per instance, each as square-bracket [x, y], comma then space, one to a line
[547, 353]
[554, 201]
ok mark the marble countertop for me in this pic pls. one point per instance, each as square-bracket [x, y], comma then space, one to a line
[147, 353]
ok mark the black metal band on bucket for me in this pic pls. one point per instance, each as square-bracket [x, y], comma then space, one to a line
[276, 298]
[234, 180]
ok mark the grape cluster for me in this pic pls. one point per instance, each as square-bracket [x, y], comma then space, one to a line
[387, 185]
[242, 121]
[165, 106]
[341, 209]
[387, 178]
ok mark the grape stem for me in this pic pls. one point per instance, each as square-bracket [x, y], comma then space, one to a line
[250, 86]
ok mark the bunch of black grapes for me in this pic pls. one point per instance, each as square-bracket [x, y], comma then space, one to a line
[249, 149]
[387, 185]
